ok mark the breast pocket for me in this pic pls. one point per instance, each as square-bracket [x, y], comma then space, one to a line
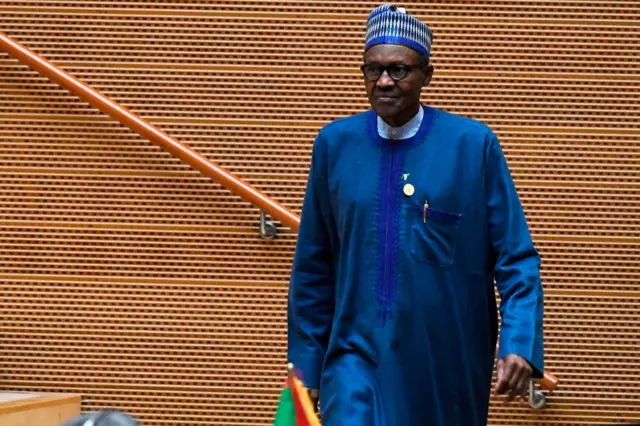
[433, 240]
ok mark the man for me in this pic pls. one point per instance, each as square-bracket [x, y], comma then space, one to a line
[410, 214]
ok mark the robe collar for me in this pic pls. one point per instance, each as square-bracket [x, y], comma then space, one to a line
[409, 143]
[406, 131]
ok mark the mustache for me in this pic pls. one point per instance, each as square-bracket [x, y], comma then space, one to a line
[378, 93]
[383, 89]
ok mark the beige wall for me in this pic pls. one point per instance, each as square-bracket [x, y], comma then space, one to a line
[129, 278]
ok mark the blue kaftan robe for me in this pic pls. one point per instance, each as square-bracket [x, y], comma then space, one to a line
[392, 309]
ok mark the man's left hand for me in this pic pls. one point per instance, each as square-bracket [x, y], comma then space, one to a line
[514, 374]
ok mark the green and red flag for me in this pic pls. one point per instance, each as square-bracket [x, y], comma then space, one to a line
[295, 407]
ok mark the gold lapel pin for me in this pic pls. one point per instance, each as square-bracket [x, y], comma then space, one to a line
[409, 190]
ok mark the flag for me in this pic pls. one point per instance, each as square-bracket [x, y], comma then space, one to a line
[295, 407]
[285, 413]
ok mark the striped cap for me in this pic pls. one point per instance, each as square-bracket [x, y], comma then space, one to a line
[390, 24]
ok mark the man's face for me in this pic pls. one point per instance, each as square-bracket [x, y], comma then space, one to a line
[396, 101]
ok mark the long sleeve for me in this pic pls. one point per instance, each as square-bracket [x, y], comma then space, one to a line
[311, 291]
[517, 264]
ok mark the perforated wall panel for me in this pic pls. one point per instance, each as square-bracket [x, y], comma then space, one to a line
[129, 278]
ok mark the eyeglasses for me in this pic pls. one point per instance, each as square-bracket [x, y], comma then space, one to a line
[396, 71]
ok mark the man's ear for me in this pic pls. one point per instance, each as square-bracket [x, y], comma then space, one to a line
[428, 74]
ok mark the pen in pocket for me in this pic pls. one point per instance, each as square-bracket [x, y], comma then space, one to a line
[424, 212]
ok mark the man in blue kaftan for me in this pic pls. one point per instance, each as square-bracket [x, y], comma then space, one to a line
[410, 214]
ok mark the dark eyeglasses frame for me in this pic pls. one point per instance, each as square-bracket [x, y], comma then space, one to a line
[406, 68]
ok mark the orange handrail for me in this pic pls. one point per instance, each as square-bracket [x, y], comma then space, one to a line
[148, 131]
[175, 147]
[549, 381]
